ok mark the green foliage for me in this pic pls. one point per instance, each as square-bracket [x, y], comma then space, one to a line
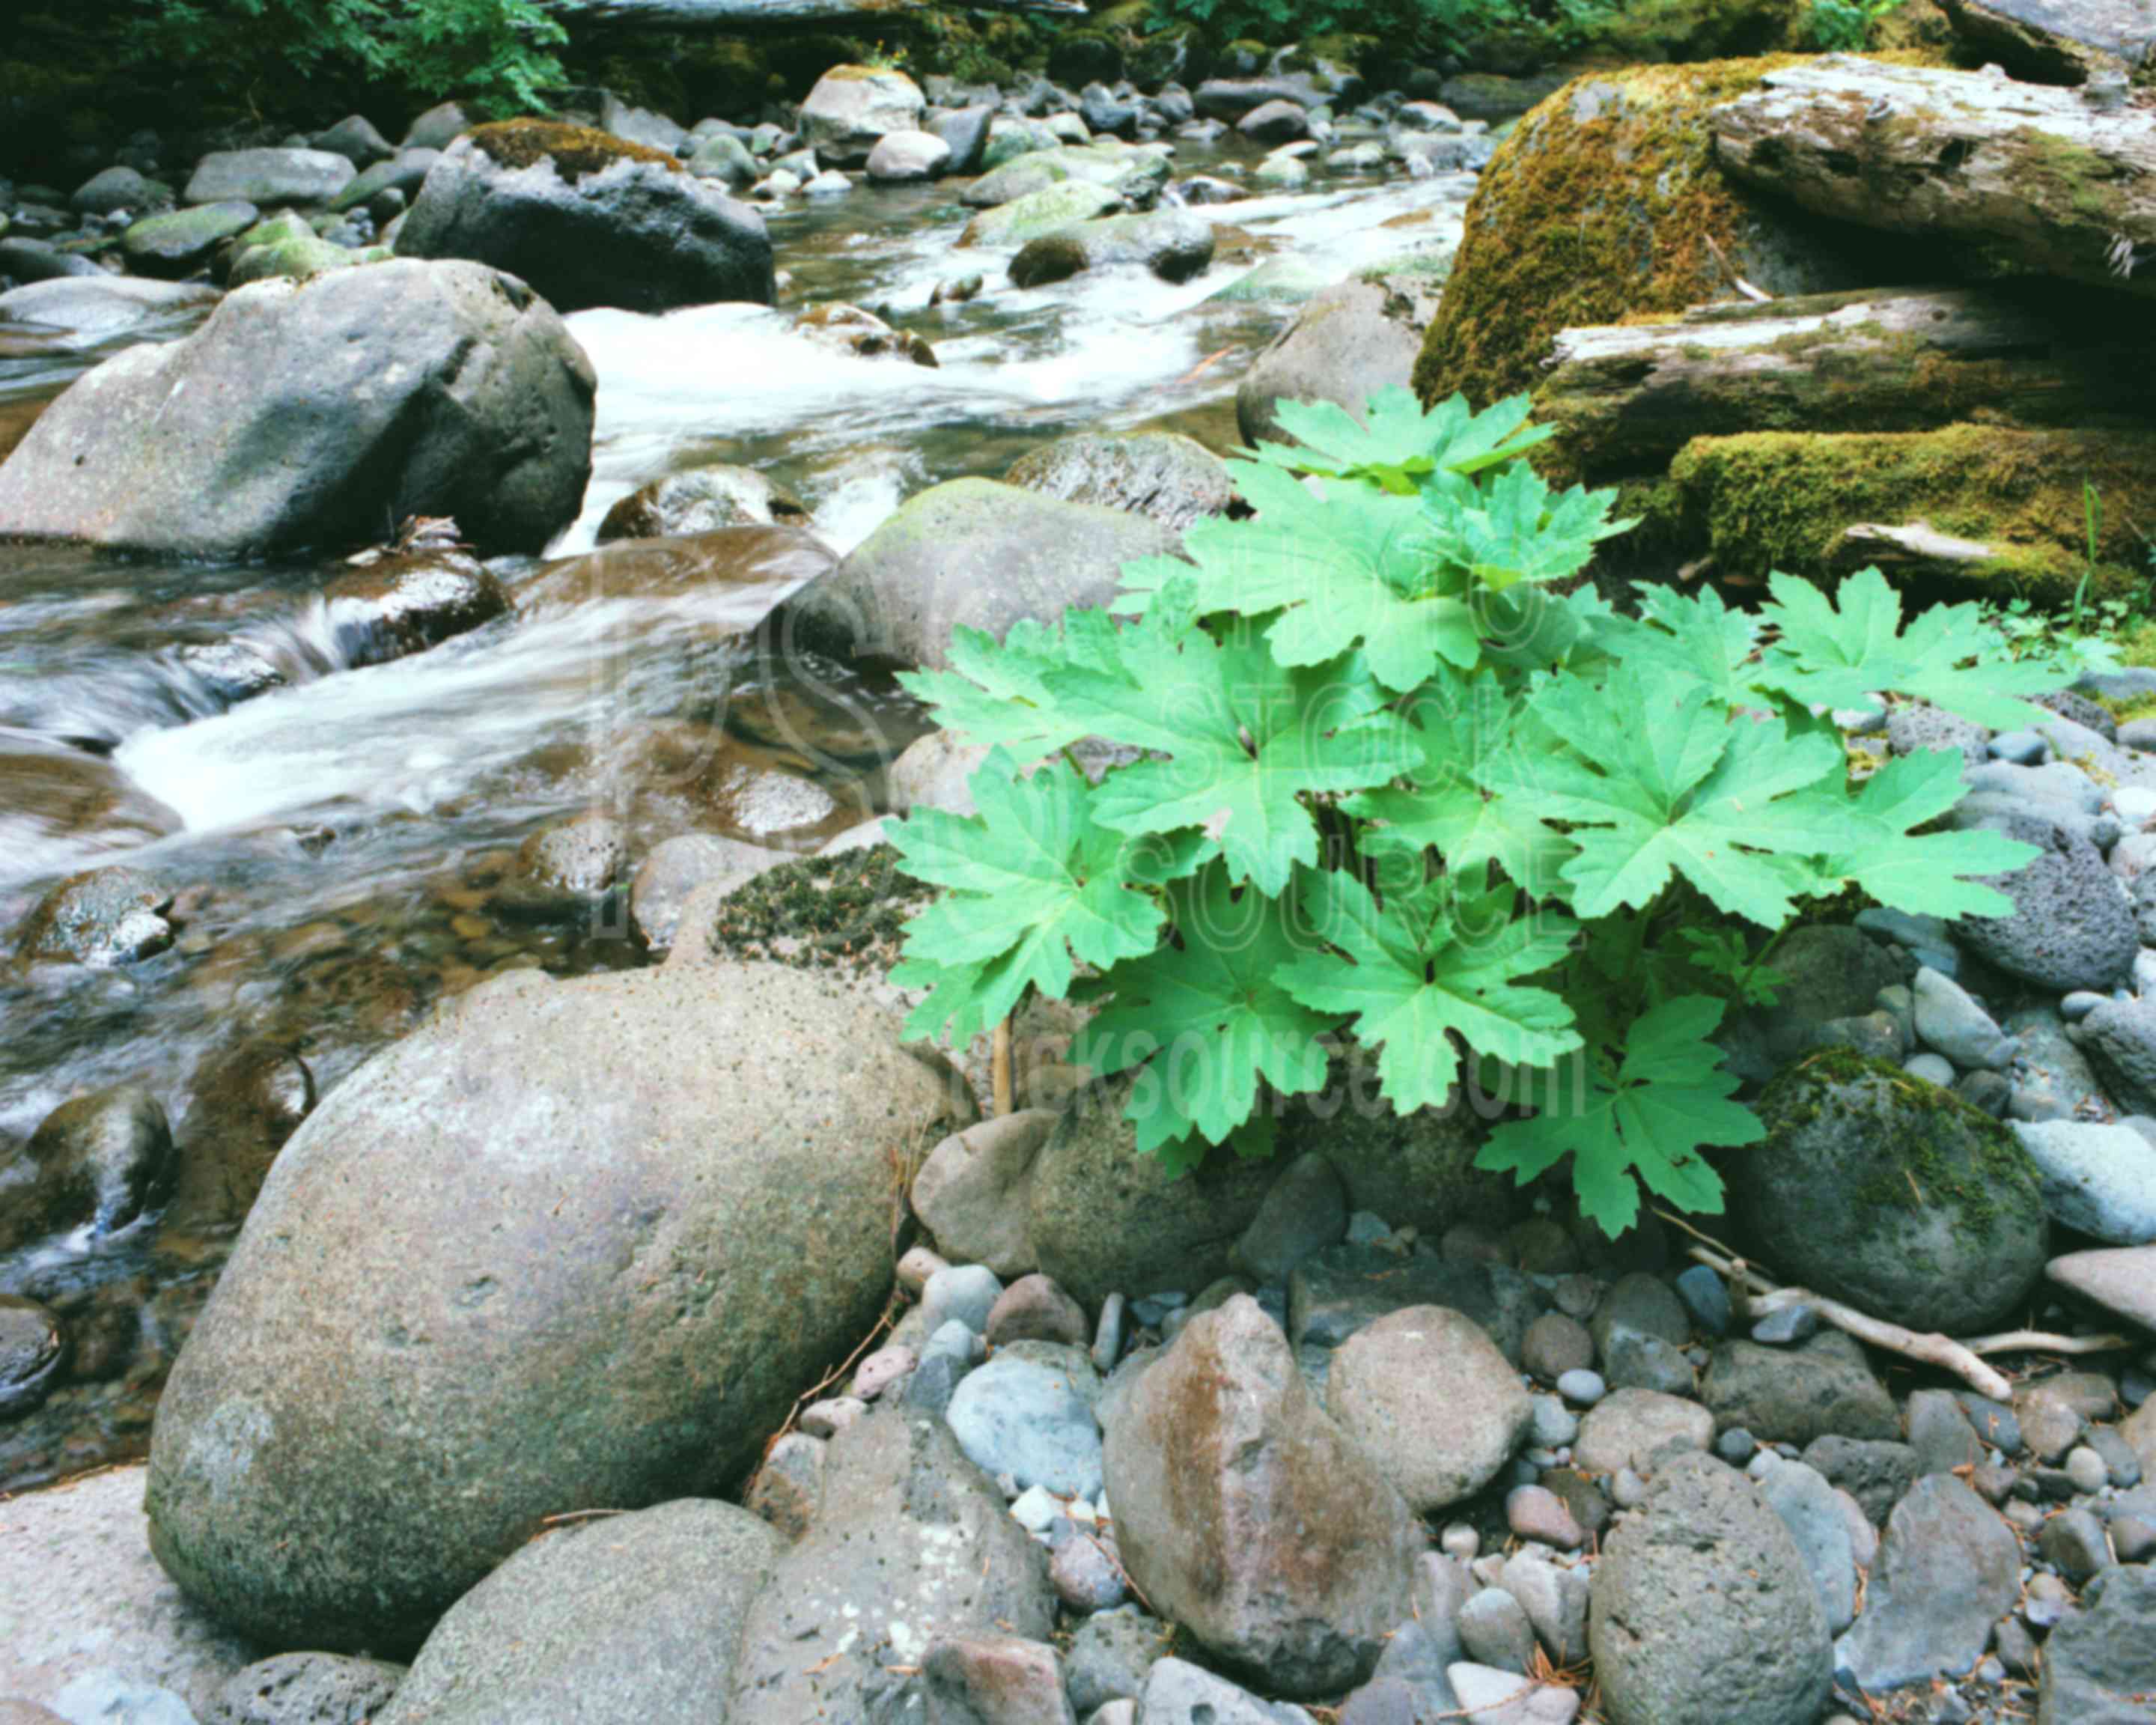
[1391, 781]
[1846, 26]
[498, 55]
[1400, 21]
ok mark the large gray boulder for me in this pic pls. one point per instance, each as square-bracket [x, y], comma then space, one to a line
[1883, 1190]
[1702, 1611]
[1245, 1515]
[311, 414]
[973, 553]
[619, 1620]
[627, 228]
[2073, 925]
[913, 1543]
[1106, 1220]
[1348, 343]
[2100, 1664]
[569, 1246]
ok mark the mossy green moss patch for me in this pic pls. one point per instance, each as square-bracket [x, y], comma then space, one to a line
[1782, 500]
[842, 912]
[575, 151]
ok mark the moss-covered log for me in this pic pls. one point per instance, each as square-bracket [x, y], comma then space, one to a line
[737, 17]
[1605, 204]
[1807, 504]
[1627, 398]
[2040, 175]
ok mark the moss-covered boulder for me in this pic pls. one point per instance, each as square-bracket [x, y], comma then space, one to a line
[1878, 1188]
[1605, 203]
[2002, 512]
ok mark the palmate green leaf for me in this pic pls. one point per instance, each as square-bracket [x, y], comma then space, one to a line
[993, 695]
[1846, 656]
[1033, 882]
[1669, 1100]
[1236, 742]
[1926, 874]
[1659, 779]
[1691, 635]
[1204, 1020]
[1464, 732]
[1518, 530]
[1353, 568]
[1397, 445]
[1429, 964]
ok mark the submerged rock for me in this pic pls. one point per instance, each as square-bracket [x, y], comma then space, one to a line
[98, 1161]
[104, 918]
[491, 1278]
[310, 414]
[701, 499]
[588, 219]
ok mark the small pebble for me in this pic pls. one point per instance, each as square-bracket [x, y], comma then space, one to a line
[1550, 1423]
[881, 1369]
[1932, 1068]
[827, 1419]
[1035, 1509]
[1364, 1229]
[1735, 1446]
[1108, 1333]
[915, 1267]
[1536, 1512]
[2086, 1468]
[1706, 1299]
[1627, 1490]
[1460, 1541]
[2079, 1004]
[1582, 1388]
[1787, 1326]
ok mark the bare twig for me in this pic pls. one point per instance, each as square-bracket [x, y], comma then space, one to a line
[999, 1069]
[1933, 1349]
[2044, 1342]
[1759, 297]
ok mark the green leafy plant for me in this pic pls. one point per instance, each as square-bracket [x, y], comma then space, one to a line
[1846, 26]
[499, 54]
[1400, 777]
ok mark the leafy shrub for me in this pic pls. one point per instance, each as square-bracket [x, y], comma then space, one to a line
[1845, 26]
[497, 54]
[1392, 778]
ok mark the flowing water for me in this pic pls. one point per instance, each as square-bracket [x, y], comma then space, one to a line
[338, 837]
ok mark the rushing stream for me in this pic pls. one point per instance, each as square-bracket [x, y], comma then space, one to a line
[341, 833]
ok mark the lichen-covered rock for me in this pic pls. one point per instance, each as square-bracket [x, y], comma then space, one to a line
[588, 219]
[1049, 210]
[309, 414]
[1245, 1514]
[1702, 1612]
[1168, 478]
[1898, 1197]
[1605, 202]
[491, 1279]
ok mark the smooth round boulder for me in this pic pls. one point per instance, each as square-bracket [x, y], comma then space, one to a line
[971, 554]
[269, 177]
[588, 220]
[310, 414]
[619, 1620]
[853, 108]
[902, 156]
[1702, 1612]
[1430, 1398]
[1898, 1197]
[1348, 341]
[569, 1245]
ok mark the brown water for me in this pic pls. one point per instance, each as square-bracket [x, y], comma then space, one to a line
[340, 835]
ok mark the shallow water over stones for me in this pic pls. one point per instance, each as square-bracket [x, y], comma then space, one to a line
[335, 834]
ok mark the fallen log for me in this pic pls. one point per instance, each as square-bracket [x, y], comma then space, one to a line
[773, 17]
[2058, 41]
[1627, 397]
[2057, 183]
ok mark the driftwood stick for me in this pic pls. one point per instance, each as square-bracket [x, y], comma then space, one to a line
[2044, 1341]
[1932, 1349]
